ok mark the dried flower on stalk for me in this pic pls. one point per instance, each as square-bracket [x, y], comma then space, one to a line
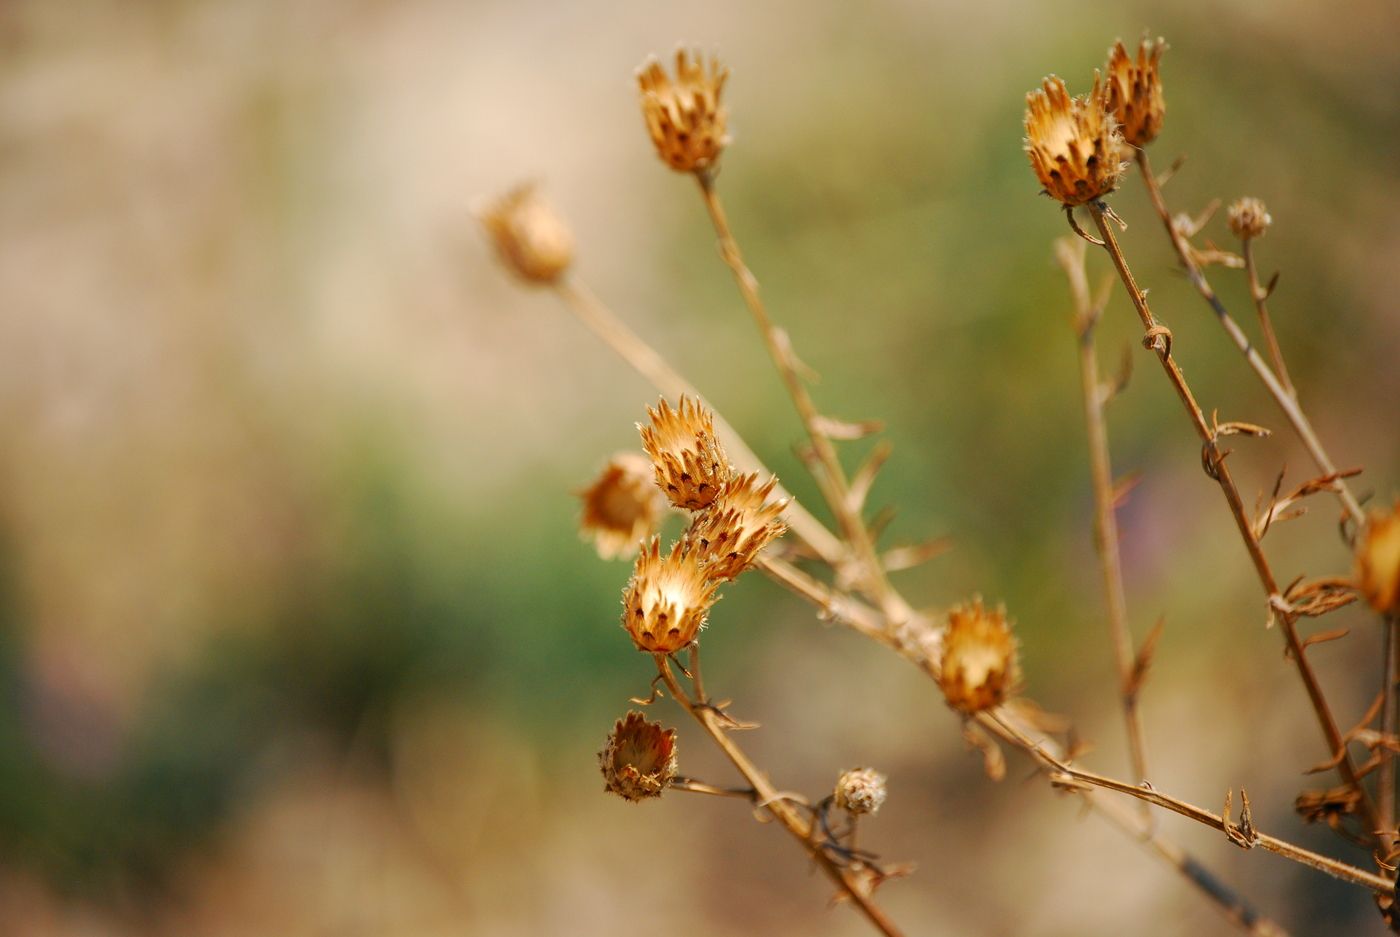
[684, 116]
[639, 759]
[622, 506]
[860, 790]
[1073, 143]
[728, 535]
[1378, 561]
[979, 658]
[1135, 91]
[1330, 806]
[690, 464]
[1249, 218]
[530, 236]
[666, 600]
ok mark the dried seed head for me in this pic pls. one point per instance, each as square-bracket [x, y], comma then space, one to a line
[979, 658]
[639, 759]
[728, 535]
[1135, 90]
[684, 116]
[530, 237]
[666, 600]
[1073, 143]
[1249, 218]
[1378, 561]
[690, 464]
[860, 790]
[622, 506]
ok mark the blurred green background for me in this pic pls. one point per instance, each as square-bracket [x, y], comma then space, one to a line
[296, 632]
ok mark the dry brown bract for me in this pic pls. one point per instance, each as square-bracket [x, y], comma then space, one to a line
[1378, 561]
[979, 658]
[860, 790]
[666, 600]
[1073, 143]
[639, 759]
[690, 464]
[742, 521]
[529, 235]
[1249, 218]
[622, 506]
[685, 117]
[1135, 90]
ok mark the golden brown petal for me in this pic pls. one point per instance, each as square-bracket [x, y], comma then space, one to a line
[622, 507]
[639, 759]
[728, 535]
[1073, 143]
[1134, 91]
[1378, 561]
[690, 464]
[979, 658]
[666, 600]
[529, 235]
[684, 116]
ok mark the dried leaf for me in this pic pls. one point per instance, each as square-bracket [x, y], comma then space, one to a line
[907, 557]
[832, 428]
[993, 760]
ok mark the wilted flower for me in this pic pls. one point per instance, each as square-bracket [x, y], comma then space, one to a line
[1073, 143]
[1249, 218]
[690, 464]
[639, 759]
[622, 506]
[666, 600]
[684, 116]
[728, 535]
[530, 237]
[1135, 91]
[979, 658]
[1378, 560]
[860, 790]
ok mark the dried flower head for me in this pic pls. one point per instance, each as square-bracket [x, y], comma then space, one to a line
[530, 236]
[1249, 218]
[729, 534]
[684, 116]
[639, 759]
[1135, 90]
[690, 464]
[1073, 143]
[622, 506]
[666, 600]
[979, 658]
[860, 790]
[1378, 560]
[1331, 806]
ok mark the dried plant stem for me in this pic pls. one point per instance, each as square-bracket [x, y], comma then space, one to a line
[771, 800]
[1385, 776]
[1158, 340]
[1266, 324]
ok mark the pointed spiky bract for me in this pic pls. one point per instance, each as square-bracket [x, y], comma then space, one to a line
[1135, 90]
[639, 760]
[529, 235]
[690, 464]
[684, 116]
[1378, 561]
[728, 535]
[860, 790]
[1249, 218]
[1073, 143]
[666, 600]
[979, 658]
[622, 507]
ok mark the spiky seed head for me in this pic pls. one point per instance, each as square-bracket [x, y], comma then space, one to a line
[979, 658]
[666, 600]
[728, 535]
[1249, 218]
[622, 506]
[529, 235]
[1073, 143]
[689, 461]
[1135, 90]
[860, 790]
[1378, 561]
[684, 116]
[639, 760]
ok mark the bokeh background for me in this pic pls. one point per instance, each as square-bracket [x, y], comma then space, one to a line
[296, 633]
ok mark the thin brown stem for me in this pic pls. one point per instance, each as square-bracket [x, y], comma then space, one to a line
[1260, 295]
[1385, 776]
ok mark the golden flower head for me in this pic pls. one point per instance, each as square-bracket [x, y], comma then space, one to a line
[684, 116]
[690, 464]
[530, 237]
[860, 790]
[666, 600]
[1135, 91]
[622, 506]
[1249, 218]
[979, 658]
[729, 534]
[639, 760]
[1073, 143]
[1378, 561]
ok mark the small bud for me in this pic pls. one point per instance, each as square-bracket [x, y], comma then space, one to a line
[666, 600]
[530, 237]
[1378, 561]
[684, 116]
[1073, 143]
[979, 658]
[1249, 219]
[690, 464]
[728, 535]
[860, 790]
[639, 760]
[1135, 91]
[622, 506]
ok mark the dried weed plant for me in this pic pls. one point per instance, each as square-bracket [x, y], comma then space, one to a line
[1080, 149]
